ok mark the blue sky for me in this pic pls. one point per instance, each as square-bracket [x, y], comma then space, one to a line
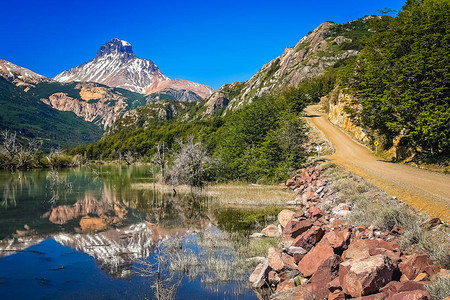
[211, 42]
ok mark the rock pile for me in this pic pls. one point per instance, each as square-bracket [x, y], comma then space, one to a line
[324, 259]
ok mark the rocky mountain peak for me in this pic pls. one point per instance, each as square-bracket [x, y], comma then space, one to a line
[116, 46]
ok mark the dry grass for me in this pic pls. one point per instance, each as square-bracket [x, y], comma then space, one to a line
[439, 288]
[235, 193]
[371, 206]
[245, 194]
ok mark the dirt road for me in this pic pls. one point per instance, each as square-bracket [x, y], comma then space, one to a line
[425, 191]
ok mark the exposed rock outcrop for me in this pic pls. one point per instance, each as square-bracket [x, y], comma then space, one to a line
[323, 47]
[338, 105]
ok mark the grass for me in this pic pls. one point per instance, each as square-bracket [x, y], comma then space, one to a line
[232, 194]
[439, 288]
[370, 206]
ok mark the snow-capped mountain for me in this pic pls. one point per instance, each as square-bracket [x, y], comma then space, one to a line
[20, 76]
[116, 65]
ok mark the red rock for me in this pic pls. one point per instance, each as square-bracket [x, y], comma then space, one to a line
[288, 261]
[270, 231]
[314, 258]
[339, 239]
[334, 285]
[309, 238]
[336, 296]
[336, 223]
[360, 248]
[315, 212]
[273, 278]
[416, 264]
[364, 276]
[274, 259]
[422, 277]
[286, 285]
[290, 183]
[326, 272]
[297, 253]
[285, 216]
[435, 222]
[259, 276]
[413, 295]
[321, 182]
[288, 274]
[294, 228]
[378, 296]
[395, 287]
[394, 256]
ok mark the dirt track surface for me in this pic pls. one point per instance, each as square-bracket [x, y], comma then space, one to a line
[425, 191]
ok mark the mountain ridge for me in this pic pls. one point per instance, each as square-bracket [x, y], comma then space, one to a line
[116, 65]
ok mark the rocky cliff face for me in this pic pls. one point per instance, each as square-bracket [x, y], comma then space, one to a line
[339, 106]
[116, 65]
[324, 47]
[93, 102]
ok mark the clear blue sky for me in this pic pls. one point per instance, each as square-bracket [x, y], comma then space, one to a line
[211, 42]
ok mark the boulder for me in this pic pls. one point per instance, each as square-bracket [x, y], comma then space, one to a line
[314, 258]
[285, 216]
[361, 248]
[314, 212]
[259, 276]
[364, 276]
[286, 285]
[296, 252]
[290, 183]
[338, 295]
[339, 239]
[326, 273]
[413, 295]
[294, 228]
[256, 235]
[395, 287]
[416, 264]
[270, 231]
[273, 278]
[274, 259]
[288, 261]
[378, 296]
[309, 238]
[334, 285]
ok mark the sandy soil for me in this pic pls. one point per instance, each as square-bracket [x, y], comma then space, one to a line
[425, 191]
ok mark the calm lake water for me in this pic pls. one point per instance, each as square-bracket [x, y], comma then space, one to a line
[87, 234]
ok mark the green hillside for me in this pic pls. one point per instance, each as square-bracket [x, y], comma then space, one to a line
[30, 118]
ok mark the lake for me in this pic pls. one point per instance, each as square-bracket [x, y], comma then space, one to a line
[90, 233]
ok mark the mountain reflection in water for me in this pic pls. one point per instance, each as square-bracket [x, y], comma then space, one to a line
[127, 232]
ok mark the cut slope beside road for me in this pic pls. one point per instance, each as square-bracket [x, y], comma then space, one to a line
[425, 191]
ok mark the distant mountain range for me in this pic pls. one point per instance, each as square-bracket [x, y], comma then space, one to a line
[116, 81]
[93, 95]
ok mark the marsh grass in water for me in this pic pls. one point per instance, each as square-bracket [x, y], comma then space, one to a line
[235, 193]
[213, 255]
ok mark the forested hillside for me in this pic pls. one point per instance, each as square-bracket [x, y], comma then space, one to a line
[402, 78]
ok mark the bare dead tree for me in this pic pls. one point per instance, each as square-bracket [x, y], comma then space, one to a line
[189, 164]
[128, 157]
[21, 154]
[159, 160]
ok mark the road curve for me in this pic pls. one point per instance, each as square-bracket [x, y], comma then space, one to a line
[425, 191]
